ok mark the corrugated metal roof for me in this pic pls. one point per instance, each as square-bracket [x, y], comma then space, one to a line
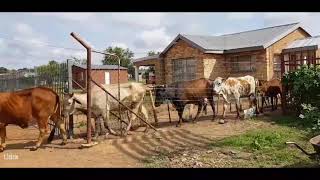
[253, 38]
[312, 41]
[146, 58]
[101, 67]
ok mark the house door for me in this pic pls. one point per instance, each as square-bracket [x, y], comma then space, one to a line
[107, 77]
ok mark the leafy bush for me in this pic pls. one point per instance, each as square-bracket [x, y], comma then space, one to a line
[310, 113]
[303, 86]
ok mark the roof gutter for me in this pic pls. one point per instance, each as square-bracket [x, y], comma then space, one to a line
[213, 51]
[254, 48]
[305, 48]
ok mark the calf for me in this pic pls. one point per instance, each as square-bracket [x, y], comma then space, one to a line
[22, 107]
[234, 88]
[197, 92]
[270, 89]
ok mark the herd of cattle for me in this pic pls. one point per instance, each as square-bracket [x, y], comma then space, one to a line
[42, 104]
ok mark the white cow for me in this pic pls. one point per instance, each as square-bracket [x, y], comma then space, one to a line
[234, 88]
[131, 95]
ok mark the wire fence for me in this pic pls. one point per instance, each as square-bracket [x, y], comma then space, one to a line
[54, 76]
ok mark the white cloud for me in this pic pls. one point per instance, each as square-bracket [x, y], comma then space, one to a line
[121, 45]
[30, 48]
[156, 39]
[69, 16]
[23, 28]
[307, 20]
[240, 16]
[141, 20]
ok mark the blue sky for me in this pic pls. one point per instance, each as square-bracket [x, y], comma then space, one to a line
[24, 37]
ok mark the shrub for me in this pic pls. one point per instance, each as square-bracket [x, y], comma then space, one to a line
[303, 86]
[311, 114]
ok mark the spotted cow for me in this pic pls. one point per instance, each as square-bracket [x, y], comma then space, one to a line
[235, 87]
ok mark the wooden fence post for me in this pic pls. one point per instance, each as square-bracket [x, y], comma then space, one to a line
[153, 109]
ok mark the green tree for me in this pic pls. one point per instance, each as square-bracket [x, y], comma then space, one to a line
[49, 71]
[79, 61]
[3, 70]
[125, 56]
[151, 53]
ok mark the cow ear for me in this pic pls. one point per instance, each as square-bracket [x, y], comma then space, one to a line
[71, 94]
[223, 79]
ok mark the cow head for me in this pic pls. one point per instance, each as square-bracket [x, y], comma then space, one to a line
[218, 84]
[160, 93]
[68, 106]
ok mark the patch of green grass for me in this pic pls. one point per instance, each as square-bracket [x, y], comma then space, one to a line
[263, 139]
[295, 123]
[268, 146]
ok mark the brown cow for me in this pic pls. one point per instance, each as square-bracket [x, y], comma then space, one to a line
[270, 89]
[36, 104]
[188, 92]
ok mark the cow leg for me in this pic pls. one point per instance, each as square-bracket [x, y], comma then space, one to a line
[276, 103]
[59, 122]
[63, 131]
[146, 117]
[200, 106]
[180, 112]
[225, 106]
[97, 129]
[132, 118]
[213, 109]
[42, 133]
[272, 107]
[106, 118]
[101, 125]
[263, 101]
[237, 99]
[3, 138]
[255, 104]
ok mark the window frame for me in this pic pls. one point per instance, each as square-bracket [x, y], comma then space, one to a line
[277, 65]
[236, 62]
[184, 69]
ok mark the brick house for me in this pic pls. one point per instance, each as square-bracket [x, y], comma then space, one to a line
[102, 74]
[254, 52]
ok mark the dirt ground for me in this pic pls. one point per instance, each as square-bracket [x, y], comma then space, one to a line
[119, 152]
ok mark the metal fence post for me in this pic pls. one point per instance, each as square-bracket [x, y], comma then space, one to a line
[71, 124]
[84, 44]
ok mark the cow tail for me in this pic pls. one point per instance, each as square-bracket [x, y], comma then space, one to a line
[56, 114]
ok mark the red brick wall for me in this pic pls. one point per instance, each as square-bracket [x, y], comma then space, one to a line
[98, 76]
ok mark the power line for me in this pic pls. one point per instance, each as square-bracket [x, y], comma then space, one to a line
[39, 43]
[42, 44]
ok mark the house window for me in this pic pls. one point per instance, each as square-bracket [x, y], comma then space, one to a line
[243, 63]
[277, 63]
[184, 69]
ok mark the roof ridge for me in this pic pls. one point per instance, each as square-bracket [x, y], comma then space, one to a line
[241, 31]
[198, 35]
[269, 27]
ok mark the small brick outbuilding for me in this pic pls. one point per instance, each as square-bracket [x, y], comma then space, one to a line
[102, 74]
